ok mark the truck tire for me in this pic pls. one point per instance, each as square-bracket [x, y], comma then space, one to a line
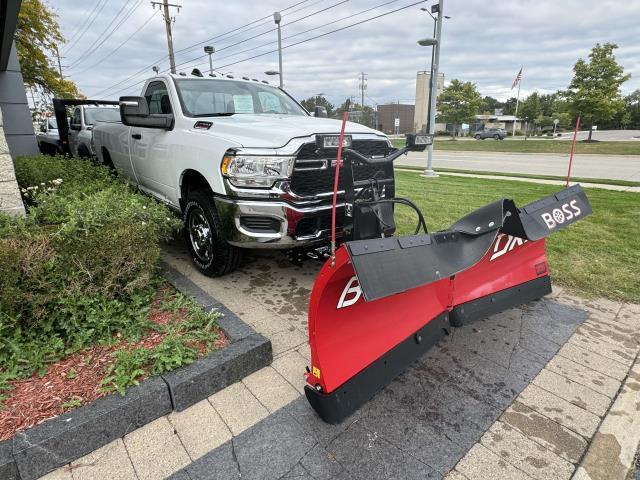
[106, 160]
[83, 152]
[210, 251]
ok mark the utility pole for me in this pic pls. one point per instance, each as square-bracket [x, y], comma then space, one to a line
[167, 22]
[59, 64]
[433, 90]
[363, 87]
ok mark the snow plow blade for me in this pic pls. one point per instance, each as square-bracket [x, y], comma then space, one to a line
[386, 301]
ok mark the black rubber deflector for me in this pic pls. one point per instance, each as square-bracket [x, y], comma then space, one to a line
[334, 407]
[499, 301]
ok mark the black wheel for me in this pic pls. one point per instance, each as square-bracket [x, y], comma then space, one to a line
[210, 251]
[83, 152]
[478, 137]
[106, 160]
[496, 137]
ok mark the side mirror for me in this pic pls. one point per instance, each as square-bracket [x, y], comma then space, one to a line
[134, 112]
[319, 111]
[417, 142]
[43, 128]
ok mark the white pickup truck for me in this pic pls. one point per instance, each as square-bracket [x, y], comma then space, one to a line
[238, 159]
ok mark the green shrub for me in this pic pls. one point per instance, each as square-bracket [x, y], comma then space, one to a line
[76, 174]
[80, 267]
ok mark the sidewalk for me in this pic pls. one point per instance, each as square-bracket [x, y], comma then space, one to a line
[604, 186]
[523, 394]
[579, 418]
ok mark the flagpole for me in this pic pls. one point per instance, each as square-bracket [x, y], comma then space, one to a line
[517, 103]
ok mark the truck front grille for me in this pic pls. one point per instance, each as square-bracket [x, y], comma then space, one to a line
[313, 173]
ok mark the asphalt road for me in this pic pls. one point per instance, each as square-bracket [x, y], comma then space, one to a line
[614, 167]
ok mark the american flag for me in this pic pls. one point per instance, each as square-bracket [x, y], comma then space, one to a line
[516, 81]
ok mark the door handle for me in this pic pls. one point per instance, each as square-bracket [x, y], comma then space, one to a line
[137, 136]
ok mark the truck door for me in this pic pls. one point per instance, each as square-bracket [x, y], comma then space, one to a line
[150, 148]
[74, 130]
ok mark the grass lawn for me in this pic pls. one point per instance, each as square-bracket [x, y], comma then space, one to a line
[533, 146]
[598, 256]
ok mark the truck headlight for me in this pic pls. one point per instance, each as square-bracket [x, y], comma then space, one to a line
[256, 170]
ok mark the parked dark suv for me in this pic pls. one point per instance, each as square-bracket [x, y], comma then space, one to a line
[495, 133]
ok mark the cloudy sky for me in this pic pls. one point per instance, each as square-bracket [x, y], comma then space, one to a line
[483, 42]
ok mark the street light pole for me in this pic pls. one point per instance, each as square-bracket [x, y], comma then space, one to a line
[209, 50]
[433, 91]
[278, 18]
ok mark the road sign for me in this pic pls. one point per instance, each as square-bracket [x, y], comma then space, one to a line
[396, 122]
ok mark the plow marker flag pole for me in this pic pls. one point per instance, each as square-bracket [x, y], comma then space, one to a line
[573, 148]
[335, 190]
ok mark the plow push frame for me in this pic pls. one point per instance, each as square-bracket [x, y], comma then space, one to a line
[382, 301]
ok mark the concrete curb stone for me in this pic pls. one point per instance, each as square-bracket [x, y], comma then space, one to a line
[63, 439]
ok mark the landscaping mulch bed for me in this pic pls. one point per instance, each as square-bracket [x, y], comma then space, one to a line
[77, 379]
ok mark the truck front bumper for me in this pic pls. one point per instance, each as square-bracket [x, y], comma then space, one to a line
[273, 224]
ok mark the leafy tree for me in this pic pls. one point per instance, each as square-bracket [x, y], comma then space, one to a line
[37, 37]
[510, 106]
[530, 107]
[458, 103]
[489, 105]
[632, 107]
[594, 91]
[318, 101]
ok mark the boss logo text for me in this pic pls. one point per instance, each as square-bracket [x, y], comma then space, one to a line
[558, 216]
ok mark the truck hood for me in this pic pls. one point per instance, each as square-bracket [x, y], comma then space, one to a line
[273, 131]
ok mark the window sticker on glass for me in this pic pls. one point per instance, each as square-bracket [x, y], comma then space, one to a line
[243, 103]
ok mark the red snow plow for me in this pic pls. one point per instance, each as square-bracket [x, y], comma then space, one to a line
[382, 301]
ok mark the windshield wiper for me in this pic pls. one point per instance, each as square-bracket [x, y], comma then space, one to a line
[219, 114]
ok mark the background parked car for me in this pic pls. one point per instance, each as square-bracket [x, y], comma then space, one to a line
[82, 120]
[495, 133]
[47, 136]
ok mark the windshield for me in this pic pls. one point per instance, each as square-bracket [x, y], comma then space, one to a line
[53, 124]
[204, 98]
[91, 114]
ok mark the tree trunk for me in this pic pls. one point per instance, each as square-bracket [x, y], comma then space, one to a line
[453, 131]
[590, 132]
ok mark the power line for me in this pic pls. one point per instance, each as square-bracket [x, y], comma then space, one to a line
[308, 30]
[121, 44]
[101, 38]
[323, 34]
[87, 26]
[302, 41]
[266, 32]
[82, 23]
[218, 36]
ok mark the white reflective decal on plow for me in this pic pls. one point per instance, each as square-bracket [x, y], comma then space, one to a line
[558, 216]
[500, 248]
[352, 288]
